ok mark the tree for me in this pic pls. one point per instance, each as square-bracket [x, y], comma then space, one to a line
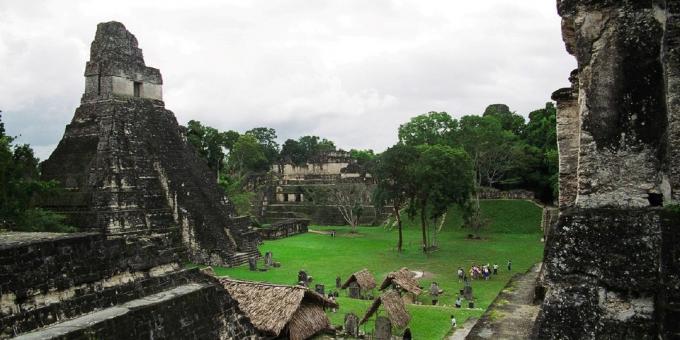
[442, 176]
[211, 143]
[510, 121]
[349, 199]
[363, 157]
[431, 128]
[267, 139]
[393, 172]
[20, 187]
[305, 149]
[490, 147]
[247, 156]
[292, 151]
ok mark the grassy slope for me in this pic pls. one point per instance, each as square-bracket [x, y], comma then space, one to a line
[513, 234]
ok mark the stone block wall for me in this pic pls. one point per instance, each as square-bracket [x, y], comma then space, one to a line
[611, 261]
[47, 279]
[283, 229]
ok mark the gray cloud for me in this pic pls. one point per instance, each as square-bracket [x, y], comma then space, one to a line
[351, 71]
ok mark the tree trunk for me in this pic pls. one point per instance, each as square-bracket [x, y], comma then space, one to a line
[423, 224]
[398, 217]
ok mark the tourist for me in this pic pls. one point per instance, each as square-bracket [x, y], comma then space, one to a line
[495, 269]
[485, 273]
[509, 265]
[461, 274]
[459, 302]
[435, 291]
[453, 322]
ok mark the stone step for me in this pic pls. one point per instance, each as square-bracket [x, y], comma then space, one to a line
[76, 327]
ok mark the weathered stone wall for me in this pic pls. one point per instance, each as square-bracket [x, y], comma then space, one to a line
[611, 265]
[283, 229]
[568, 141]
[128, 169]
[50, 278]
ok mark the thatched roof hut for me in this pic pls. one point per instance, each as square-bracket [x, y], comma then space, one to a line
[363, 277]
[394, 306]
[404, 279]
[277, 310]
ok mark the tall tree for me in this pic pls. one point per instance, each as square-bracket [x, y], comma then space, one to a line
[292, 151]
[247, 156]
[393, 171]
[431, 128]
[443, 176]
[267, 139]
[211, 143]
[20, 187]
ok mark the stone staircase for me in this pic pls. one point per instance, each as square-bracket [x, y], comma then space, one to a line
[176, 313]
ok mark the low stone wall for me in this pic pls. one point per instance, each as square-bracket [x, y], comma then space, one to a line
[495, 194]
[282, 229]
[319, 214]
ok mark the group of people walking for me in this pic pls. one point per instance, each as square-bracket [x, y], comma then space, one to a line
[480, 272]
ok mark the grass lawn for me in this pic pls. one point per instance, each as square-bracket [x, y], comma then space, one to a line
[513, 234]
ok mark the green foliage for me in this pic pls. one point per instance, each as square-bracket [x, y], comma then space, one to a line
[305, 149]
[431, 128]
[233, 188]
[325, 258]
[363, 157]
[248, 156]
[40, 220]
[211, 143]
[20, 186]
[510, 121]
[506, 152]
[267, 139]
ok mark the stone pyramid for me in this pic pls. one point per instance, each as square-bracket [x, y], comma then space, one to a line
[128, 169]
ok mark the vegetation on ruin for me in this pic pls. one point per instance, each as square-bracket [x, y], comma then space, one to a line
[513, 233]
[21, 187]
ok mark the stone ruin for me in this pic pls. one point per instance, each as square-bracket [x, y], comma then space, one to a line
[127, 167]
[289, 194]
[611, 267]
[146, 204]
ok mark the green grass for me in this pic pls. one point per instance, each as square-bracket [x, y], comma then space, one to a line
[513, 234]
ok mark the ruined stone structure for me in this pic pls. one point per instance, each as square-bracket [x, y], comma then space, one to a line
[85, 285]
[128, 169]
[290, 193]
[146, 204]
[283, 229]
[611, 261]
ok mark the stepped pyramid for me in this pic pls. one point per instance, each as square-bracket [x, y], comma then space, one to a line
[128, 169]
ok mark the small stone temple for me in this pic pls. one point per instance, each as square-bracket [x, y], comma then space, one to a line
[290, 192]
[612, 269]
[128, 169]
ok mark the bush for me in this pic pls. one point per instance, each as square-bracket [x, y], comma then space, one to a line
[39, 220]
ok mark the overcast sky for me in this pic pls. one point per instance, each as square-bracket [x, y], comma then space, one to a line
[351, 71]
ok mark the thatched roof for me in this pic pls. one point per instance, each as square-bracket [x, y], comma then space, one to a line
[308, 320]
[394, 306]
[363, 277]
[271, 307]
[404, 278]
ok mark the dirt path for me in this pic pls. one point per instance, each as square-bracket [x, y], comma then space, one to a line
[512, 314]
